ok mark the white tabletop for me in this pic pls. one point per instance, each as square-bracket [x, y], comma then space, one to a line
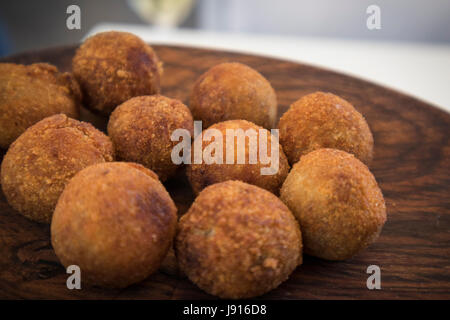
[420, 70]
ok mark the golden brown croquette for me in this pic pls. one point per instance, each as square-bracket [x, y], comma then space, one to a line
[203, 174]
[42, 160]
[324, 120]
[116, 222]
[230, 91]
[337, 202]
[113, 67]
[31, 93]
[141, 127]
[238, 241]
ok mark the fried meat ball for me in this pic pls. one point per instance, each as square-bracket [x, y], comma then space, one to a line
[238, 241]
[337, 202]
[203, 174]
[141, 127]
[116, 221]
[113, 67]
[31, 93]
[324, 120]
[42, 160]
[230, 91]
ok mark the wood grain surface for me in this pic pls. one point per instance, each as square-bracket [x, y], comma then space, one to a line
[411, 165]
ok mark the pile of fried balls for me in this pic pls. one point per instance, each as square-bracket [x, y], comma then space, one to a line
[104, 196]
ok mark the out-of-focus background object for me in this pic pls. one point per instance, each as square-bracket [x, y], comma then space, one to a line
[411, 51]
[163, 13]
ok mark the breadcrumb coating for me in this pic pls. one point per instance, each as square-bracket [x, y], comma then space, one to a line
[238, 241]
[141, 127]
[230, 91]
[324, 120]
[337, 202]
[113, 67]
[30, 93]
[203, 174]
[44, 158]
[116, 222]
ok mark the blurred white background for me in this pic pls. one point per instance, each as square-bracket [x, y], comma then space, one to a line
[402, 20]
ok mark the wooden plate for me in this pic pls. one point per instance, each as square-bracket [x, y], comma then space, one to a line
[412, 166]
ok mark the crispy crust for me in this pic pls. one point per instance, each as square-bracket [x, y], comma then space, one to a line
[141, 127]
[324, 120]
[31, 93]
[116, 222]
[202, 175]
[42, 160]
[113, 67]
[238, 241]
[337, 202]
[231, 91]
